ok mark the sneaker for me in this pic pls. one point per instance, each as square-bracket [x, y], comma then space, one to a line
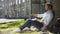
[33, 28]
[26, 29]
[16, 30]
[44, 32]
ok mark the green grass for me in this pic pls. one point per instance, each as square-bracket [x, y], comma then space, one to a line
[12, 24]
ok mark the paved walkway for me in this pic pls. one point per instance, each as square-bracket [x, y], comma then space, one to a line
[9, 20]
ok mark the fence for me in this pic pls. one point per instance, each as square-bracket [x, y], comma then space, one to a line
[20, 8]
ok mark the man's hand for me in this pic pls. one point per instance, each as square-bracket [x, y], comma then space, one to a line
[40, 21]
[35, 15]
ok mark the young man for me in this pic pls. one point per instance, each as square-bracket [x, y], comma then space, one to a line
[43, 22]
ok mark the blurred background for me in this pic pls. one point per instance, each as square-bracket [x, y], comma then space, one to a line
[21, 9]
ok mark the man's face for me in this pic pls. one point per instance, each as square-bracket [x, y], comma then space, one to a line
[46, 7]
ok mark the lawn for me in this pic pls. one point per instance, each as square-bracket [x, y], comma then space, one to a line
[8, 27]
[12, 24]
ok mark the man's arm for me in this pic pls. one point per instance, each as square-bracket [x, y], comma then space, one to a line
[41, 21]
[37, 15]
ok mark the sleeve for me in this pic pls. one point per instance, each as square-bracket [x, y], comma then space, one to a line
[40, 15]
[47, 18]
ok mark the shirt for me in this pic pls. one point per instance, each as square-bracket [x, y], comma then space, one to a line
[46, 17]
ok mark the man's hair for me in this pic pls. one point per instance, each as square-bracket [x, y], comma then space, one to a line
[50, 6]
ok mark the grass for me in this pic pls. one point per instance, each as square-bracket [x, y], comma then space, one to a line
[11, 25]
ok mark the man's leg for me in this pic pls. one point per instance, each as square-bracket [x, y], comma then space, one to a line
[37, 25]
[27, 24]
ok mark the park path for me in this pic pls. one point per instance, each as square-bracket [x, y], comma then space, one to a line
[2, 20]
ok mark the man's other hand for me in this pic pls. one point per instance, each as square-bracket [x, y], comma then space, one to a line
[35, 15]
[40, 21]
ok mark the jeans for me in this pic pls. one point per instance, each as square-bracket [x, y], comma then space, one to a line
[35, 23]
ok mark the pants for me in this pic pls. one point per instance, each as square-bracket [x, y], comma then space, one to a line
[36, 24]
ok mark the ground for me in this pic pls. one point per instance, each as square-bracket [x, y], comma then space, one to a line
[8, 31]
[8, 27]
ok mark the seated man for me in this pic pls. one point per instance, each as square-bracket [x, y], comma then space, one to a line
[43, 22]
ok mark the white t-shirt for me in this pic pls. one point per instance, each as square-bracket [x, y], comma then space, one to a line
[46, 17]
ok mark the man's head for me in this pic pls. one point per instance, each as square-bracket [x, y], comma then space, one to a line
[48, 6]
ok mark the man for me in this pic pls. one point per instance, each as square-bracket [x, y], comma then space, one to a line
[43, 22]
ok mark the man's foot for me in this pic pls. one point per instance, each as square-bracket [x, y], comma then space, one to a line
[34, 28]
[21, 31]
[26, 29]
[16, 30]
[44, 32]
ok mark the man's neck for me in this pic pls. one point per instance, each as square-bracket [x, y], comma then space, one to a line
[48, 9]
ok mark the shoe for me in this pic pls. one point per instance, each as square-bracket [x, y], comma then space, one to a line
[44, 32]
[33, 28]
[16, 30]
[21, 31]
[26, 29]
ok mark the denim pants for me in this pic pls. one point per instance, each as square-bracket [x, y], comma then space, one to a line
[35, 23]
